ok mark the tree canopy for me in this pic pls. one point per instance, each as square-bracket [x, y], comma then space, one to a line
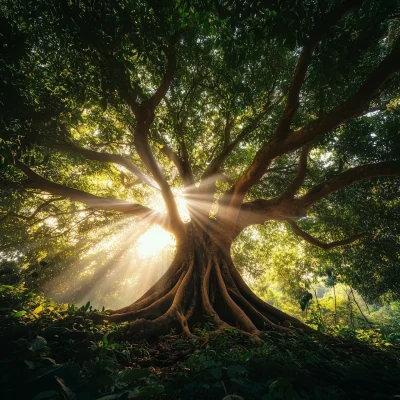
[275, 123]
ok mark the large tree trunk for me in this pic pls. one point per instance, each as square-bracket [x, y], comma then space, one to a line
[202, 283]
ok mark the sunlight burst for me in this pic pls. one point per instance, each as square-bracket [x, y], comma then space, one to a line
[158, 204]
[153, 241]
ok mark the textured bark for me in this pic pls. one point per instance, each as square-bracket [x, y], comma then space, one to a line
[202, 284]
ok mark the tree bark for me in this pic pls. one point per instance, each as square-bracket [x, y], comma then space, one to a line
[201, 284]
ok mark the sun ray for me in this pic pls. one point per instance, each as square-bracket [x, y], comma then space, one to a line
[153, 241]
[119, 268]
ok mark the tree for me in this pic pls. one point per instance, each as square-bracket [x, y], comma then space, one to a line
[219, 103]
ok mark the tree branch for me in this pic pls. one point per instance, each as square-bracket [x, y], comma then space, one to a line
[188, 178]
[229, 122]
[62, 214]
[182, 165]
[326, 246]
[162, 90]
[276, 146]
[145, 114]
[347, 178]
[181, 160]
[36, 181]
[256, 212]
[330, 19]
[38, 209]
[36, 212]
[215, 165]
[106, 157]
[141, 140]
[353, 107]
[301, 174]
[284, 208]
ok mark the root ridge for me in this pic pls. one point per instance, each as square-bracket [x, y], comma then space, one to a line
[205, 284]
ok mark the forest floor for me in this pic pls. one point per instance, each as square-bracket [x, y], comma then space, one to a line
[51, 351]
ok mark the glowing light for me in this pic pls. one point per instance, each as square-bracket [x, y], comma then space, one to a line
[158, 204]
[51, 222]
[114, 269]
[182, 208]
[153, 241]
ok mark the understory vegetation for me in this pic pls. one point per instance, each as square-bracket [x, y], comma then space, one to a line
[199, 199]
[55, 351]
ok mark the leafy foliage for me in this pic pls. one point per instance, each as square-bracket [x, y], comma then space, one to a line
[57, 353]
[87, 96]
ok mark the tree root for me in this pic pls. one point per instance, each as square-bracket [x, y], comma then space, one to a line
[204, 285]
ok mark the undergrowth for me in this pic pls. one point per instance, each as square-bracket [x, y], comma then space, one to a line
[52, 351]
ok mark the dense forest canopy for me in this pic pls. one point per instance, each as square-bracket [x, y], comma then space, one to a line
[269, 130]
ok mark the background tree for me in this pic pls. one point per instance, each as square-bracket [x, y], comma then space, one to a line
[250, 113]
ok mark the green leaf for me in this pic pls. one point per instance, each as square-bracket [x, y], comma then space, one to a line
[37, 344]
[42, 372]
[49, 359]
[38, 309]
[6, 287]
[30, 364]
[19, 314]
[105, 340]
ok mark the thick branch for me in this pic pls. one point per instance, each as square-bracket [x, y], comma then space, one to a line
[347, 178]
[228, 128]
[256, 212]
[141, 140]
[300, 175]
[284, 208]
[182, 165]
[36, 181]
[145, 114]
[130, 92]
[188, 178]
[353, 107]
[181, 160]
[326, 246]
[162, 90]
[215, 165]
[304, 60]
[107, 157]
[349, 109]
